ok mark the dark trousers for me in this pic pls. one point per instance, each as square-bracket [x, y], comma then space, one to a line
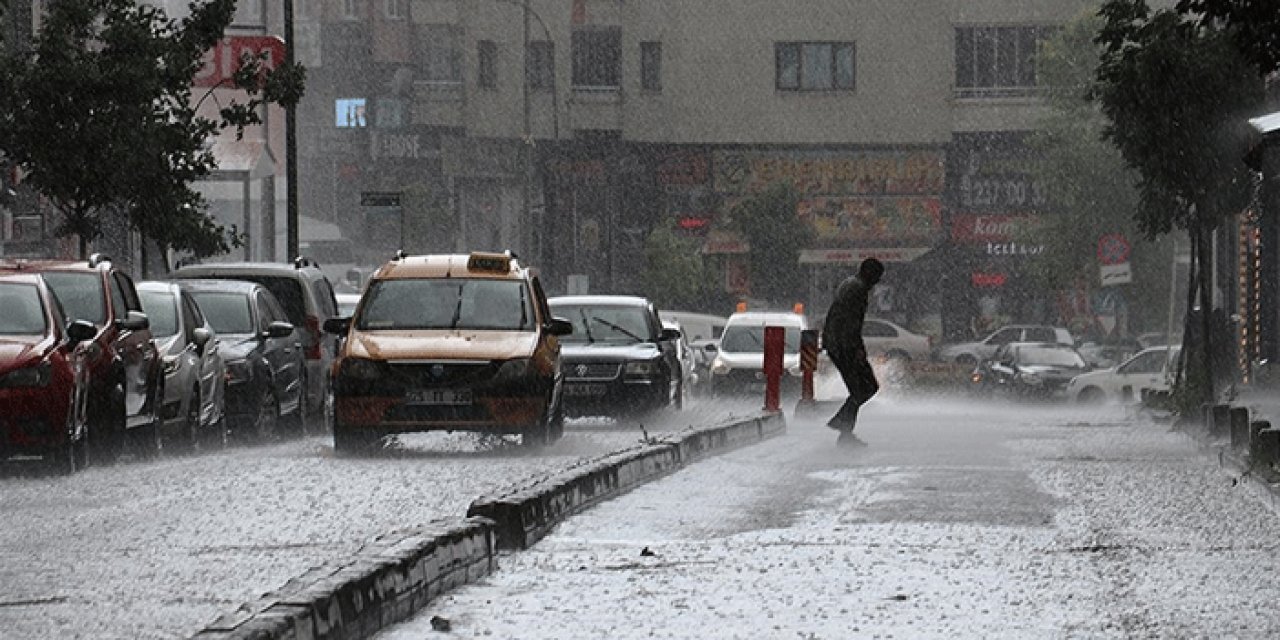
[858, 378]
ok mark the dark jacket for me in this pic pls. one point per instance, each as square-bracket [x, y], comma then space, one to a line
[843, 326]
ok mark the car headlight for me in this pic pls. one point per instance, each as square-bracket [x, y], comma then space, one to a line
[719, 367]
[359, 369]
[514, 369]
[647, 368]
[34, 376]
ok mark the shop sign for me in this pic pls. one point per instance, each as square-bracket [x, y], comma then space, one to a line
[881, 220]
[989, 280]
[397, 146]
[832, 173]
[976, 229]
[1113, 274]
[725, 242]
[1009, 249]
[991, 172]
[683, 168]
[856, 256]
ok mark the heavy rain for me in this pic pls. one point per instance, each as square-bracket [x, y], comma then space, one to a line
[403, 319]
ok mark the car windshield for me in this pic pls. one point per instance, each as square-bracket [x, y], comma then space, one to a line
[1050, 356]
[162, 311]
[750, 339]
[447, 303]
[80, 294]
[21, 310]
[604, 323]
[227, 313]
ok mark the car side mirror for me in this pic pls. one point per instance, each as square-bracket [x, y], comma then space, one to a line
[670, 335]
[710, 349]
[134, 321]
[279, 329]
[201, 337]
[337, 326]
[559, 327]
[80, 331]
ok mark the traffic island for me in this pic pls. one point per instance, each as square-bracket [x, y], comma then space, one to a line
[397, 574]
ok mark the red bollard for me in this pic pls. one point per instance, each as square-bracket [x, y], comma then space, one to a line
[774, 343]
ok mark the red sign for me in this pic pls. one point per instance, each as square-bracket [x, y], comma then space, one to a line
[1113, 249]
[223, 60]
[970, 228]
[989, 280]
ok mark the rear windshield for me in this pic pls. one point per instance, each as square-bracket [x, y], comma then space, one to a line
[287, 290]
[21, 310]
[750, 339]
[227, 313]
[162, 311]
[447, 303]
[80, 294]
[626, 325]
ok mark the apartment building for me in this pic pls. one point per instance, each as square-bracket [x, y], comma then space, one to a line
[569, 132]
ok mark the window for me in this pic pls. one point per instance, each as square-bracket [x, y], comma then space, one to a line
[815, 66]
[1040, 334]
[540, 65]
[597, 57]
[437, 53]
[351, 9]
[487, 58]
[997, 61]
[394, 9]
[651, 66]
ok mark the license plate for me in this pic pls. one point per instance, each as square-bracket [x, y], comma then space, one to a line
[455, 397]
[584, 389]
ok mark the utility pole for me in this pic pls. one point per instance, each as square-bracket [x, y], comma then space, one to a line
[290, 149]
[526, 147]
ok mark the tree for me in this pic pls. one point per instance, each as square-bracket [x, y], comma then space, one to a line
[768, 222]
[1254, 26]
[674, 275]
[1176, 92]
[1086, 179]
[100, 116]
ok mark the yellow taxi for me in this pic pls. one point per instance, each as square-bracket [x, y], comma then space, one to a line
[448, 343]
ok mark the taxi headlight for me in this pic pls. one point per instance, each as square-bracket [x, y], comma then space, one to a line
[359, 369]
[647, 368]
[719, 367]
[34, 376]
[514, 369]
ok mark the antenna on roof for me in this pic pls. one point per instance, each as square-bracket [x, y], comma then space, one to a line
[400, 255]
[98, 258]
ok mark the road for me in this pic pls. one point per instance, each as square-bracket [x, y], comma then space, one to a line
[954, 521]
[159, 549]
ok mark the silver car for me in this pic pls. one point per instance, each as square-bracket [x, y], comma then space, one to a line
[193, 411]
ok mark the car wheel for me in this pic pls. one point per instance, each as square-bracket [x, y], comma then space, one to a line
[189, 438]
[1091, 395]
[678, 403]
[147, 441]
[74, 455]
[299, 421]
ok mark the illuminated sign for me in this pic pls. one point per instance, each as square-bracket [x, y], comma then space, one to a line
[349, 113]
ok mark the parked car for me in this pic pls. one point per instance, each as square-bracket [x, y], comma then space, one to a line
[44, 376]
[1102, 354]
[1029, 369]
[1149, 370]
[737, 367]
[262, 352]
[126, 379]
[885, 339]
[685, 355]
[308, 300]
[699, 330]
[194, 410]
[619, 360]
[971, 353]
[449, 343]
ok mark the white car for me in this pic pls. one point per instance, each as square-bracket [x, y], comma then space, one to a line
[892, 341]
[684, 353]
[737, 367]
[1150, 369]
[971, 353]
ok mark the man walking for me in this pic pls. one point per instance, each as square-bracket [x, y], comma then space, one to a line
[842, 338]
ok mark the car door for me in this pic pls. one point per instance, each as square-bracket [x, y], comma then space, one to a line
[1143, 371]
[137, 352]
[209, 367]
[878, 337]
[284, 353]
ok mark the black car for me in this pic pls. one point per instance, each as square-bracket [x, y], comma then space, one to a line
[263, 353]
[619, 360]
[1029, 369]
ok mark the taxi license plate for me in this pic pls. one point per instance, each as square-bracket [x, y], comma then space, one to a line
[453, 397]
[584, 390]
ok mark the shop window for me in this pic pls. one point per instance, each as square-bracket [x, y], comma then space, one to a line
[437, 53]
[395, 9]
[540, 63]
[651, 66]
[815, 66]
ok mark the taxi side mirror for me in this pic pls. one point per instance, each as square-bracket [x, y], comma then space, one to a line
[559, 327]
[337, 326]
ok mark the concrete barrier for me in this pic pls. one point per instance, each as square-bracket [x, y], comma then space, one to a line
[525, 515]
[1239, 429]
[395, 575]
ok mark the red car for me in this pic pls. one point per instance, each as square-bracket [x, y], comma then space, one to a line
[44, 381]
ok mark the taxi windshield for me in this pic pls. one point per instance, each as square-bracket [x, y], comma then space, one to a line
[447, 303]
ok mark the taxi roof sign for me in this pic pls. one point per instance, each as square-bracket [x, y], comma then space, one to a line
[491, 262]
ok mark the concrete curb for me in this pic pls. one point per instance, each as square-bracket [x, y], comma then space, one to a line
[396, 574]
[525, 515]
